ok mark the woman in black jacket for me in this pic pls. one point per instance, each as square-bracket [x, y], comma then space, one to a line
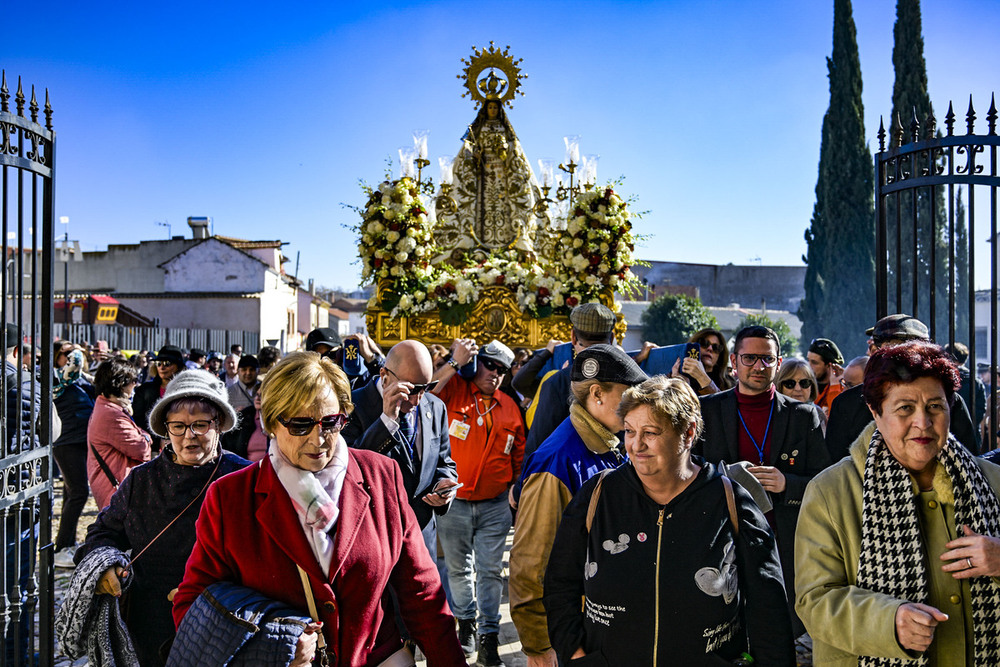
[674, 568]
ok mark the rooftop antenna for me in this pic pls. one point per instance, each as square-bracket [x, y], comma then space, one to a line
[164, 224]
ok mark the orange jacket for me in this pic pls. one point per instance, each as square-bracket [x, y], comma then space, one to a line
[825, 398]
[488, 460]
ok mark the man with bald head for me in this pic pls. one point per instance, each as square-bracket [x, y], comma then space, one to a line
[395, 414]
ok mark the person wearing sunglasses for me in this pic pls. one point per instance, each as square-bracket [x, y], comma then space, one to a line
[153, 512]
[169, 361]
[487, 444]
[395, 414]
[714, 362]
[781, 439]
[323, 528]
[795, 380]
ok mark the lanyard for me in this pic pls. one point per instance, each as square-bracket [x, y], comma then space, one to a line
[763, 441]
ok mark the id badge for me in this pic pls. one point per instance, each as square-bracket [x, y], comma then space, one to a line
[510, 443]
[459, 429]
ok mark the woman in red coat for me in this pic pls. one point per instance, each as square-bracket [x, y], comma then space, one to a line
[341, 515]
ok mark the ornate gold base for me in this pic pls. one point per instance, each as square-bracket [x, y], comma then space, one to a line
[496, 315]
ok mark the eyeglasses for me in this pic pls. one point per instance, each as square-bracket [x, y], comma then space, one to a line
[303, 425]
[417, 388]
[750, 360]
[803, 383]
[491, 365]
[199, 427]
[848, 385]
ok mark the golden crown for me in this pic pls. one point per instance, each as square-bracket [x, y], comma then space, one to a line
[482, 87]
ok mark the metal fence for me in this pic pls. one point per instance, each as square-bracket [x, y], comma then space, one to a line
[27, 160]
[926, 184]
[153, 338]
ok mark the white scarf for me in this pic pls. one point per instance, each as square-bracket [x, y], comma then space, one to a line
[315, 496]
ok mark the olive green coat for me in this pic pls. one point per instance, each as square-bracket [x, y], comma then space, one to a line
[843, 620]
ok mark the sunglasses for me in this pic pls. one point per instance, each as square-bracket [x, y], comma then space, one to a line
[804, 383]
[714, 347]
[417, 388]
[750, 360]
[161, 364]
[303, 425]
[199, 427]
[491, 365]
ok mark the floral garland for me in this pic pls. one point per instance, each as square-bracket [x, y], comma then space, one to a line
[395, 234]
[593, 253]
[596, 250]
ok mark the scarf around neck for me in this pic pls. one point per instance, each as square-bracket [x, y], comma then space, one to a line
[315, 496]
[594, 434]
[893, 558]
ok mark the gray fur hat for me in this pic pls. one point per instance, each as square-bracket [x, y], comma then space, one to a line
[194, 383]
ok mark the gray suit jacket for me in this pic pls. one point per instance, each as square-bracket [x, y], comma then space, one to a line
[366, 430]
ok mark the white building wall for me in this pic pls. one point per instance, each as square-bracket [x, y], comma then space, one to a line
[277, 301]
[191, 312]
[215, 266]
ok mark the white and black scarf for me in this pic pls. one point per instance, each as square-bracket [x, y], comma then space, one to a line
[893, 558]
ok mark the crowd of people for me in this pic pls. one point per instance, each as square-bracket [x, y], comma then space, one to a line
[352, 506]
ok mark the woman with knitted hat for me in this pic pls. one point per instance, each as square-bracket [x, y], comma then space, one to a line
[897, 549]
[153, 515]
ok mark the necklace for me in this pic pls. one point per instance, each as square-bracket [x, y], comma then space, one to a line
[479, 419]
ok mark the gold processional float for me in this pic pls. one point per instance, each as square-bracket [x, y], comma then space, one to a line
[490, 255]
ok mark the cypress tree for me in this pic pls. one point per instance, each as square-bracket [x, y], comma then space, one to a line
[840, 261]
[911, 101]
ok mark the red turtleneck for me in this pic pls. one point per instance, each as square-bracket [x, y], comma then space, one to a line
[754, 410]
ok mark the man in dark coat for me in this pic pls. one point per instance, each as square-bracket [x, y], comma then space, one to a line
[593, 323]
[397, 416]
[849, 414]
[780, 437]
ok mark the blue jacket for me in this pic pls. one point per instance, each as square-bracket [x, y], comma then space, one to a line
[234, 625]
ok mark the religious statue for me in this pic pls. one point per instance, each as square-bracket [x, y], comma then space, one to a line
[494, 189]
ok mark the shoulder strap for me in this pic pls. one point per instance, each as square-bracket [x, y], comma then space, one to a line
[311, 602]
[105, 468]
[592, 507]
[731, 502]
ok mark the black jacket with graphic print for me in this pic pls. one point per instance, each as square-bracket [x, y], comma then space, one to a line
[693, 617]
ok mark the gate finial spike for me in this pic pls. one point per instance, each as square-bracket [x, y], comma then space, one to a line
[4, 93]
[914, 126]
[991, 115]
[48, 112]
[897, 134]
[930, 125]
[949, 120]
[970, 118]
[881, 135]
[19, 98]
[33, 106]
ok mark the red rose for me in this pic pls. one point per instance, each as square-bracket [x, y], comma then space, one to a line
[578, 211]
[543, 291]
[608, 192]
[378, 262]
[500, 279]
[571, 301]
[595, 259]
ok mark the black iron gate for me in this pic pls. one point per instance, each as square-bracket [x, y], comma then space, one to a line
[924, 189]
[27, 158]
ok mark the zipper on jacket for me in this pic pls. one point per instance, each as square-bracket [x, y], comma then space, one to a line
[656, 613]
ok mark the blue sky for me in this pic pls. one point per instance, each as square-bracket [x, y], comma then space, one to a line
[265, 116]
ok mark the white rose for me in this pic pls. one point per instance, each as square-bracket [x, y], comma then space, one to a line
[392, 237]
[605, 247]
[405, 302]
[402, 256]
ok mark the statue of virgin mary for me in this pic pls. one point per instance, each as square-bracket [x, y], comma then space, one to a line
[494, 189]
